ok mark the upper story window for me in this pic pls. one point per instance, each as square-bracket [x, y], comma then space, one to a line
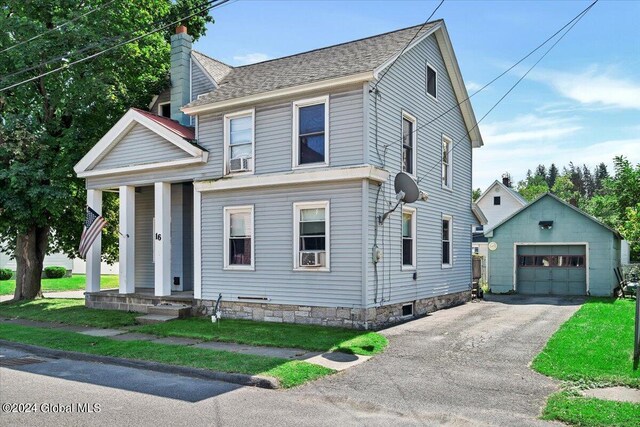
[496, 200]
[164, 109]
[408, 238]
[447, 241]
[239, 141]
[408, 143]
[238, 238]
[447, 158]
[311, 132]
[432, 81]
[311, 236]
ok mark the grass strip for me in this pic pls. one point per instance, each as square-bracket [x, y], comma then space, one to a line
[308, 337]
[77, 282]
[68, 311]
[595, 344]
[590, 412]
[289, 373]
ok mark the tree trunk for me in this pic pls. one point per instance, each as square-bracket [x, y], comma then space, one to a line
[30, 250]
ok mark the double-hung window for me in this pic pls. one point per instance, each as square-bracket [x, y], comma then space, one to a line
[408, 143]
[239, 141]
[447, 167]
[408, 238]
[311, 236]
[311, 132]
[447, 241]
[238, 238]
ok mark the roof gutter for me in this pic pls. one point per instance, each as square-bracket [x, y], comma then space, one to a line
[279, 93]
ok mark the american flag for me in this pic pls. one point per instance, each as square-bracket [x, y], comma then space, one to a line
[93, 225]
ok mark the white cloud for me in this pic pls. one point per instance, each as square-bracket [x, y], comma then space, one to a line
[473, 86]
[527, 128]
[250, 58]
[594, 86]
[490, 162]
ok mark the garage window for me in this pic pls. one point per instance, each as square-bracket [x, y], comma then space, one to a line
[563, 261]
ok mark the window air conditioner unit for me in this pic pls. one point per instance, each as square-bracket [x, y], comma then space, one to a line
[239, 164]
[312, 259]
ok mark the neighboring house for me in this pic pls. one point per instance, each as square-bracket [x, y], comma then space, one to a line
[73, 265]
[272, 197]
[496, 203]
[552, 247]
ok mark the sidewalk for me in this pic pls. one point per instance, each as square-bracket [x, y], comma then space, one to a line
[334, 360]
[59, 294]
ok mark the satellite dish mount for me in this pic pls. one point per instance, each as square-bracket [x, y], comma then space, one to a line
[407, 191]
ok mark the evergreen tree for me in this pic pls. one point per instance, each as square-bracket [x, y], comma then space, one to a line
[541, 171]
[553, 175]
[588, 183]
[601, 175]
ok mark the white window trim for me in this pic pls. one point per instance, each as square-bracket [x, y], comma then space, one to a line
[450, 219]
[297, 206]
[228, 210]
[426, 80]
[414, 236]
[295, 140]
[449, 163]
[227, 135]
[160, 107]
[411, 118]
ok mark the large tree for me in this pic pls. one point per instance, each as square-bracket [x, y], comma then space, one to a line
[48, 124]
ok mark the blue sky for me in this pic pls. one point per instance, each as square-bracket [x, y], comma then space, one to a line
[580, 104]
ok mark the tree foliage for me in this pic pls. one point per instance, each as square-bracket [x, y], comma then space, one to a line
[48, 124]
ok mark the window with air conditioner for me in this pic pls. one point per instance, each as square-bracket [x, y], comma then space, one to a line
[311, 236]
[238, 238]
[239, 136]
[311, 132]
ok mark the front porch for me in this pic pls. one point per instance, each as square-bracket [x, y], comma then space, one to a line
[140, 301]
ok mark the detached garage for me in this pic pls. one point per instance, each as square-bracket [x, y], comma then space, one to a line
[550, 247]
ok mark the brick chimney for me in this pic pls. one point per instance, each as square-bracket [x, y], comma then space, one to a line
[506, 179]
[180, 73]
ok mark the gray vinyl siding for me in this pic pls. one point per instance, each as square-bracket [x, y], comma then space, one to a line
[140, 146]
[144, 276]
[404, 88]
[274, 277]
[200, 82]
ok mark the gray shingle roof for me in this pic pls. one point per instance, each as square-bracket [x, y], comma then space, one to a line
[217, 70]
[321, 64]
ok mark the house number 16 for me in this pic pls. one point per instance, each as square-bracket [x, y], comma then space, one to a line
[158, 236]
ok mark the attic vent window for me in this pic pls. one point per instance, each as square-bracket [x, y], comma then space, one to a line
[165, 109]
[432, 81]
[545, 225]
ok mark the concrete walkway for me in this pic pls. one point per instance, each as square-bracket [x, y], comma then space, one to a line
[333, 360]
[60, 294]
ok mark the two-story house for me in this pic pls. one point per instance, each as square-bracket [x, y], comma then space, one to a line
[266, 183]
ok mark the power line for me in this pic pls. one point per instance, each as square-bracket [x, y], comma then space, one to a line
[57, 27]
[66, 66]
[574, 23]
[100, 44]
[407, 45]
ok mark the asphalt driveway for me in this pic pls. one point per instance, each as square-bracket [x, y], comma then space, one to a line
[465, 366]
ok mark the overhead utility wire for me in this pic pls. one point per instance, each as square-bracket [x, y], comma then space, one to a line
[407, 45]
[100, 44]
[577, 19]
[57, 27]
[64, 67]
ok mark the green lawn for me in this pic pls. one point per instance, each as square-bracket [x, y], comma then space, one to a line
[588, 412]
[69, 311]
[289, 373]
[594, 346]
[308, 337]
[73, 283]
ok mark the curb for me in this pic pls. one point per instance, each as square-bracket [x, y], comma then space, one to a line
[204, 374]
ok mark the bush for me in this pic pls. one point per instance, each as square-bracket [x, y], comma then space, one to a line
[5, 273]
[54, 272]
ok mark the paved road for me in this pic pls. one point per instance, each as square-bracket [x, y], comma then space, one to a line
[466, 366]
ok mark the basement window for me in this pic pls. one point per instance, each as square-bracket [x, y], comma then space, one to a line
[407, 310]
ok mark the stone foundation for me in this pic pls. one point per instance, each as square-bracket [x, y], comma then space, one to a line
[346, 317]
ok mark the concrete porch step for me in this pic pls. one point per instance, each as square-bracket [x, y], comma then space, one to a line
[176, 310]
[154, 318]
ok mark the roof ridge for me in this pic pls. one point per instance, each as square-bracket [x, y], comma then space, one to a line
[338, 44]
[212, 58]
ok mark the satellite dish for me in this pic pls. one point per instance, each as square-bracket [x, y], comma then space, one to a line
[406, 188]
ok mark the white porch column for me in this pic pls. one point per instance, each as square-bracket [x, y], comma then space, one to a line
[94, 201]
[197, 244]
[127, 239]
[162, 238]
